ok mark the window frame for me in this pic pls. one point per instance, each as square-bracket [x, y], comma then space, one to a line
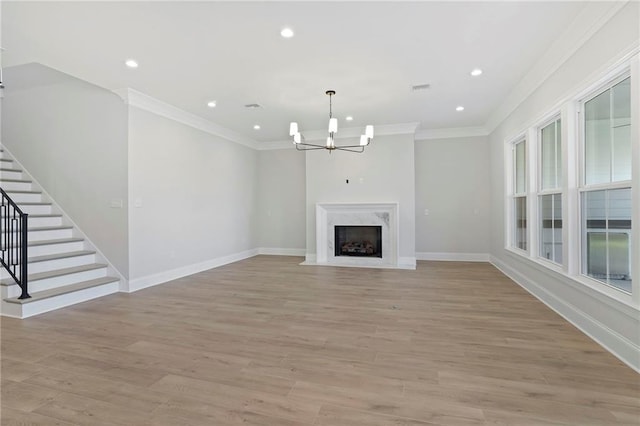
[583, 187]
[557, 190]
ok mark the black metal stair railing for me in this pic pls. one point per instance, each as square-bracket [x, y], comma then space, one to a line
[13, 242]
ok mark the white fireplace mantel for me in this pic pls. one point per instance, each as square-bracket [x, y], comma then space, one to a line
[329, 215]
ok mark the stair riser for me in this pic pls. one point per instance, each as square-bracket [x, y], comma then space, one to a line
[39, 222]
[49, 283]
[6, 162]
[50, 235]
[52, 303]
[55, 248]
[35, 209]
[6, 174]
[16, 186]
[46, 235]
[68, 262]
[19, 197]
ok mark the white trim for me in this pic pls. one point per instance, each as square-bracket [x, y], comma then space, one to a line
[624, 349]
[453, 257]
[448, 133]
[593, 17]
[145, 102]
[355, 132]
[269, 146]
[163, 277]
[274, 251]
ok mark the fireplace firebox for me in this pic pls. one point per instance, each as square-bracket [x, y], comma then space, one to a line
[358, 240]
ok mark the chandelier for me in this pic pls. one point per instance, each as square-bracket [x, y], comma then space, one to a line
[330, 145]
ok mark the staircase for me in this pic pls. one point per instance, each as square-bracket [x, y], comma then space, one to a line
[63, 267]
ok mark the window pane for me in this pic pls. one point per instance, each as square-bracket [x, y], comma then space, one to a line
[520, 234]
[551, 227]
[606, 228]
[597, 139]
[520, 169]
[608, 135]
[551, 161]
[621, 130]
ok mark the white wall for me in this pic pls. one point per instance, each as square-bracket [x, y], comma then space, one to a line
[614, 324]
[452, 183]
[383, 173]
[281, 214]
[192, 196]
[72, 137]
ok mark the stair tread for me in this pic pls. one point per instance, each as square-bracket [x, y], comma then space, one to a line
[4, 169]
[51, 228]
[56, 241]
[46, 228]
[19, 191]
[32, 203]
[56, 256]
[59, 272]
[16, 180]
[31, 216]
[46, 294]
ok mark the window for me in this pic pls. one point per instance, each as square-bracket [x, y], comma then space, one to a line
[606, 188]
[520, 195]
[550, 196]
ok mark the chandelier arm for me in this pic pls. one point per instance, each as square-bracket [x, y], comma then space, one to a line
[355, 148]
[315, 147]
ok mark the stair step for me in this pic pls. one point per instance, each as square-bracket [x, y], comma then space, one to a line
[50, 228]
[48, 257]
[6, 169]
[15, 191]
[15, 180]
[58, 273]
[46, 294]
[56, 241]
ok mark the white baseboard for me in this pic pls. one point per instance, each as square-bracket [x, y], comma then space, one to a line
[621, 347]
[274, 251]
[454, 257]
[162, 277]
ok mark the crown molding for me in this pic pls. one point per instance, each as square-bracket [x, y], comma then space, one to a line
[355, 132]
[268, 146]
[453, 132]
[145, 102]
[590, 19]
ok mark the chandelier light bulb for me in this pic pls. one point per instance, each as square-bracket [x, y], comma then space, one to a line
[364, 141]
[368, 131]
[293, 128]
[333, 125]
[297, 138]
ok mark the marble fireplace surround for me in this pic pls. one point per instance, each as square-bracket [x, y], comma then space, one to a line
[329, 215]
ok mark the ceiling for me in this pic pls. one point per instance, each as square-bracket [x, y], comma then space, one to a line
[370, 53]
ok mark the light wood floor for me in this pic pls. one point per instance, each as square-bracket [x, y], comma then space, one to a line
[268, 342]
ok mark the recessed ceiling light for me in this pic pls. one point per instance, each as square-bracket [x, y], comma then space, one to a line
[131, 63]
[476, 72]
[211, 104]
[459, 108]
[349, 118]
[256, 127]
[286, 33]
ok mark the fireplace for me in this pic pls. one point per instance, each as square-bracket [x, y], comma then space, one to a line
[358, 240]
